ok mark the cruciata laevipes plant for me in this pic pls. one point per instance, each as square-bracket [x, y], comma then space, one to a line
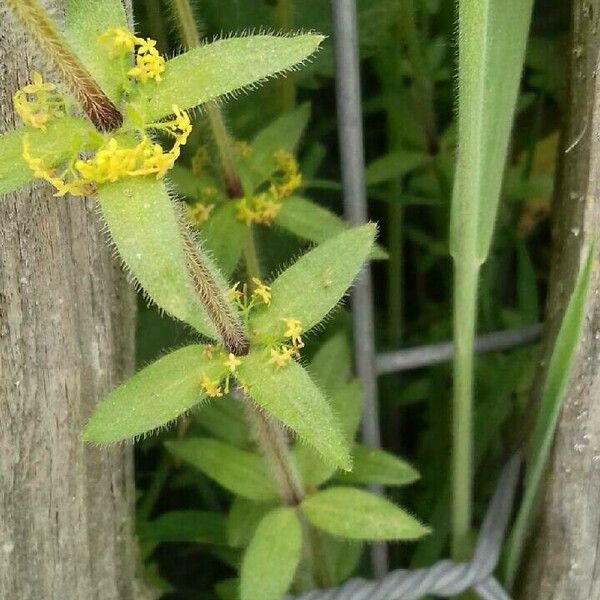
[112, 126]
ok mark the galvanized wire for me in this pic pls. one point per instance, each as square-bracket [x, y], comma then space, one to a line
[446, 578]
[433, 354]
[349, 111]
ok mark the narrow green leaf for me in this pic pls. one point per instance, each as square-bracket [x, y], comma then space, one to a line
[291, 396]
[281, 134]
[312, 222]
[243, 519]
[223, 67]
[223, 418]
[394, 165]
[224, 236]
[377, 467]
[153, 397]
[240, 472]
[272, 557]
[53, 146]
[346, 404]
[555, 385]
[313, 285]
[185, 526]
[143, 223]
[358, 515]
[85, 21]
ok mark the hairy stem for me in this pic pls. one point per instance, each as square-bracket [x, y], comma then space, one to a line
[98, 107]
[286, 86]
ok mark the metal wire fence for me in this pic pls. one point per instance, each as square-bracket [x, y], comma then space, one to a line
[445, 578]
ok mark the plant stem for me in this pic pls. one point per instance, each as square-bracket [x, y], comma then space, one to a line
[466, 274]
[286, 86]
[96, 105]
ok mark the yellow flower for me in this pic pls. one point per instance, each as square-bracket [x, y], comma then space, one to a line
[232, 362]
[199, 213]
[261, 291]
[234, 294]
[280, 357]
[37, 103]
[243, 148]
[148, 66]
[208, 350]
[244, 212]
[118, 40]
[294, 332]
[211, 387]
[265, 209]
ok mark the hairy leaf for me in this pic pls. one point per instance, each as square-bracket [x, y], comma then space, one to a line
[224, 236]
[185, 526]
[291, 396]
[53, 146]
[85, 21]
[143, 223]
[223, 67]
[313, 285]
[240, 472]
[377, 467]
[153, 397]
[272, 557]
[359, 515]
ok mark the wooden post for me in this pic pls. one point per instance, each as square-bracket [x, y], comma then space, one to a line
[564, 552]
[66, 338]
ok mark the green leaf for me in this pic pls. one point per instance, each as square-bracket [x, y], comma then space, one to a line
[555, 385]
[243, 519]
[394, 165]
[224, 235]
[283, 133]
[185, 526]
[223, 418]
[377, 467]
[189, 185]
[291, 396]
[228, 589]
[331, 366]
[313, 285]
[143, 223]
[223, 67]
[272, 557]
[314, 223]
[493, 37]
[342, 556]
[54, 145]
[85, 21]
[153, 397]
[240, 472]
[358, 515]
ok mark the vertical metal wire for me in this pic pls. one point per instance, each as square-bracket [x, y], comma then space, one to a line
[349, 112]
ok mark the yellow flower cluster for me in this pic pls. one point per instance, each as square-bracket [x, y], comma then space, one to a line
[113, 161]
[149, 64]
[238, 293]
[211, 387]
[282, 354]
[38, 102]
[264, 207]
[199, 213]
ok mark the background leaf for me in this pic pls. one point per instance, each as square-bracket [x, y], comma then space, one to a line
[355, 514]
[238, 471]
[243, 519]
[185, 526]
[272, 557]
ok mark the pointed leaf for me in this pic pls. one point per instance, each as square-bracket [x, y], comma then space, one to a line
[143, 223]
[313, 285]
[223, 418]
[240, 472]
[243, 519]
[358, 515]
[85, 21]
[153, 397]
[53, 146]
[224, 236]
[394, 165]
[223, 67]
[290, 395]
[555, 385]
[332, 364]
[272, 557]
[377, 467]
[185, 526]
